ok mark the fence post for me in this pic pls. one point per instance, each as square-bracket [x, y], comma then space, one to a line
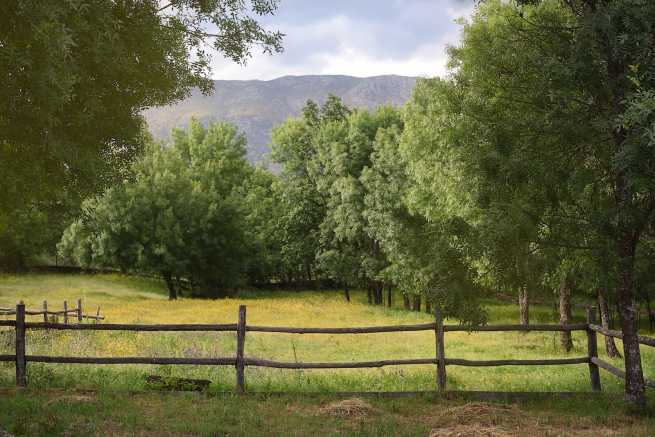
[98, 314]
[65, 312]
[441, 355]
[45, 311]
[21, 363]
[79, 310]
[241, 340]
[592, 348]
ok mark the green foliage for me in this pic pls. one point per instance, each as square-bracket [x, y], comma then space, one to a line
[181, 215]
[76, 76]
[541, 141]
[350, 187]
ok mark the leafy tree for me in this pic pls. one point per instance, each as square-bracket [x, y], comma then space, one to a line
[180, 216]
[546, 119]
[262, 226]
[76, 76]
[300, 202]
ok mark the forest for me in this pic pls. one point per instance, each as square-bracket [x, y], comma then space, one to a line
[527, 170]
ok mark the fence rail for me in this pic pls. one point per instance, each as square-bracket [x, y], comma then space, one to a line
[45, 312]
[240, 361]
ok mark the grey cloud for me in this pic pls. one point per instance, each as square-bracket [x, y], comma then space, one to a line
[382, 32]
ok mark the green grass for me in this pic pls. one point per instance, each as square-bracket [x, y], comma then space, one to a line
[137, 300]
[114, 400]
[49, 413]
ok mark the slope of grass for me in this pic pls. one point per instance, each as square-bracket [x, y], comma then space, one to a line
[125, 299]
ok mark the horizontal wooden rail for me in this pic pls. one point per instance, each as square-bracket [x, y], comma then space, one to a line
[362, 330]
[350, 365]
[648, 341]
[84, 316]
[9, 312]
[420, 327]
[615, 371]
[293, 330]
[7, 358]
[524, 328]
[224, 361]
[133, 327]
[485, 363]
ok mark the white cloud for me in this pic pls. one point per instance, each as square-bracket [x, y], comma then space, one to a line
[344, 44]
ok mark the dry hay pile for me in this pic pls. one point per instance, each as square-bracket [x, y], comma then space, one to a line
[470, 431]
[352, 408]
[478, 419]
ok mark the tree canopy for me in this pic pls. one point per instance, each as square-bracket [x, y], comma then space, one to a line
[179, 216]
[76, 76]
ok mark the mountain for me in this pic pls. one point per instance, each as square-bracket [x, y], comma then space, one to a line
[256, 106]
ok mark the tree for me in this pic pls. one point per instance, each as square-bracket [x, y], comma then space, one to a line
[264, 210]
[76, 76]
[180, 216]
[551, 122]
[301, 204]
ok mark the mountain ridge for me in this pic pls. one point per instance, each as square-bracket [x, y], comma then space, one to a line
[256, 106]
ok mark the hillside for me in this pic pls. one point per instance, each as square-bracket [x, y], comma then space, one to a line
[256, 106]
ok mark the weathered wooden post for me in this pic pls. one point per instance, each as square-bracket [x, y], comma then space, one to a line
[79, 310]
[97, 314]
[441, 355]
[241, 341]
[21, 362]
[45, 311]
[65, 312]
[592, 348]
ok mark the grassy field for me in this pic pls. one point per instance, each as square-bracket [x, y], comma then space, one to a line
[66, 413]
[137, 300]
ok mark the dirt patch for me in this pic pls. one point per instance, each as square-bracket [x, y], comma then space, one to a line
[349, 408]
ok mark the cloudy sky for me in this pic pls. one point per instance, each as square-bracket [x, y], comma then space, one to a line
[356, 37]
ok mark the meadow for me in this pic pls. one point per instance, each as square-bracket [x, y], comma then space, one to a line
[114, 400]
[125, 299]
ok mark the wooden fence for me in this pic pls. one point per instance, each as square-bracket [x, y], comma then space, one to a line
[241, 361]
[45, 312]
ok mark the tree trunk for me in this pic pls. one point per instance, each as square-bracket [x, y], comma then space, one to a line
[428, 307]
[369, 294]
[610, 346]
[406, 303]
[634, 375]
[524, 306]
[380, 293]
[565, 314]
[389, 289]
[417, 303]
[308, 273]
[651, 315]
[179, 285]
[172, 292]
[346, 292]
